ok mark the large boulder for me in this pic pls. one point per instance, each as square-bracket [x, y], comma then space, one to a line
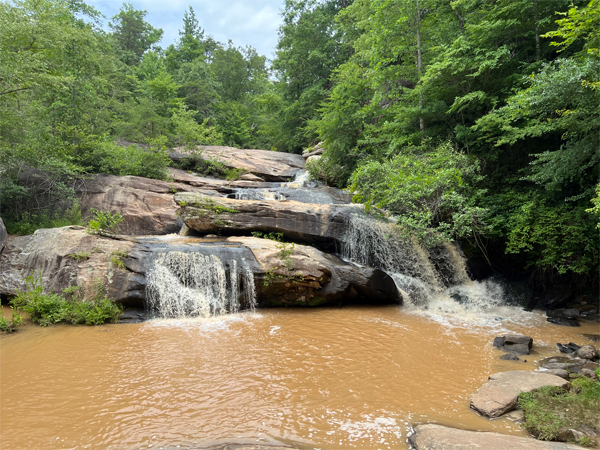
[298, 276]
[147, 205]
[3, 236]
[307, 222]
[268, 165]
[69, 256]
[500, 394]
[438, 437]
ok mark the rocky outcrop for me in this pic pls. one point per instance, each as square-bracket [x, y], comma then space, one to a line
[438, 437]
[298, 276]
[309, 277]
[521, 345]
[571, 365]
[146, 205]
[270, 166]
[3, 235]
[500, 394]
[69, 256]
[306, 222]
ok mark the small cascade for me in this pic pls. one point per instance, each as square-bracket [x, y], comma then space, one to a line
[257, 194]
[435, 279]
[375, 243]
[184, 284]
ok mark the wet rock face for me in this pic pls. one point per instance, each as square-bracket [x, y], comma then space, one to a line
[301, 276]
[270, 166]
[309, 277]
[499, 395]
[438, 437]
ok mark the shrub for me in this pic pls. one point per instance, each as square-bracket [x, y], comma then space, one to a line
[11, 326]
[80, 256]
[104, 222]
[48, 309]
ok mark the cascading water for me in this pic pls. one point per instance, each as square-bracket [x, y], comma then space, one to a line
[375, 243]
[435, 280]
[184, 284]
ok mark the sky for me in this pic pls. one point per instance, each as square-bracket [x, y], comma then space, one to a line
[245, 22]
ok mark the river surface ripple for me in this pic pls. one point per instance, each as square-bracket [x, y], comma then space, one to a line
[356, 377]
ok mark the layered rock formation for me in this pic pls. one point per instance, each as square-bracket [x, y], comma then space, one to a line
[70, 256]
[307, 222]
[146, 205]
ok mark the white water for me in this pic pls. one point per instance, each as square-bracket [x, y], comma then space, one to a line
[432, 282]
[190, 284]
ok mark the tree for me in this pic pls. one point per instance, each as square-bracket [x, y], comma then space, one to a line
[134, 36]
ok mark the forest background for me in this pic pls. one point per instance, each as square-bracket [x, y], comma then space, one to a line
[469, 120]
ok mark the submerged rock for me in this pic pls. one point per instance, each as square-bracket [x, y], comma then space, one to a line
[510, 357]
[438, 437]
[513, 343]
[499, 395]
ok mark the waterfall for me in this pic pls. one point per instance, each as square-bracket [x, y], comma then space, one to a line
[183, 284]
[376, 243]
[421, 275]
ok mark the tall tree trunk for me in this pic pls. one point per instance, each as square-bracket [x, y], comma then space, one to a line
[419, 64]
[538, 52]
[461, 21]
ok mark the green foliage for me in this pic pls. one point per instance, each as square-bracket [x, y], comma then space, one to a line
[28, 223]
[133, 34]
[80, 256]
[12, 325]
[550, 409]
[210, 205]
[48, 309]
[104, 222]
[426, 189]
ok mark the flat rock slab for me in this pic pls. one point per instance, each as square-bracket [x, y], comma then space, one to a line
[271, 166]
[499, 395]
[438, 437]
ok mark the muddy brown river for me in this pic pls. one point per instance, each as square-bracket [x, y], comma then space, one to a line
[356, 377]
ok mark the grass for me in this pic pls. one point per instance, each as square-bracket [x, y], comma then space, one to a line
[80, 256]
[115, 258]
[551, 410]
